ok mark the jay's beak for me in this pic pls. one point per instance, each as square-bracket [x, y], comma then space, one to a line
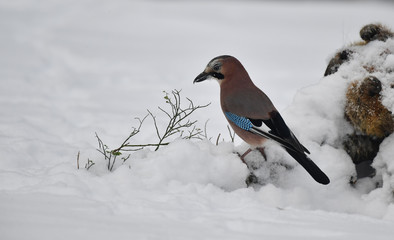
[201, 77]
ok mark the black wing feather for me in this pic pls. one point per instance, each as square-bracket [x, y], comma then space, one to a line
[279, 128]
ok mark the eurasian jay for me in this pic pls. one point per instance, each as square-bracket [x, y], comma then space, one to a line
[246, 107]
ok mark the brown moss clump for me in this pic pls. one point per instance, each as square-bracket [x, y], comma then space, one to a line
[372, 32]
[372, 122]
[365, 110]
[337, 61]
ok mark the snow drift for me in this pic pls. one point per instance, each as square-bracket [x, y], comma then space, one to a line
[70, 69]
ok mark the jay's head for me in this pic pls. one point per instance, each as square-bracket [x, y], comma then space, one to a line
[220, 68]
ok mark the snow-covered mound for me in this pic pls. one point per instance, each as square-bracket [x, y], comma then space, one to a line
[73, 68]
[317, 118]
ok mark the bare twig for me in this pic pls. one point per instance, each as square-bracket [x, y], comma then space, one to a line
[217, 139]
[78, 159]
[231, 133]
[178, 124]
[205, 129]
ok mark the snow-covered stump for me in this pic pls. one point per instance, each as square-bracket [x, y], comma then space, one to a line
[368, 67]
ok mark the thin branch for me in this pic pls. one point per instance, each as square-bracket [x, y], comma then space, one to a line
[79, 152]
[144, 145]
[155, 123]
[232, 135]
[113, 162]
[125, 158]
[205, 129]
[217, 139]
[165, 112]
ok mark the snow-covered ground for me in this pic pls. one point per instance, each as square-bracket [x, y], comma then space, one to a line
[73, 68]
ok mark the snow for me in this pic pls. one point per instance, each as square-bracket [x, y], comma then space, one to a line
[73, 68]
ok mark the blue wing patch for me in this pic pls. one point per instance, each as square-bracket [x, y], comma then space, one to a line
[241, 122]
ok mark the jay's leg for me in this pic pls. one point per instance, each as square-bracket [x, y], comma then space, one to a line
[244, 155]
[260, 149]
[251, 179]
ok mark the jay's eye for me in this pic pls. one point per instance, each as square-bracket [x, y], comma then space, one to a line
[216, 67]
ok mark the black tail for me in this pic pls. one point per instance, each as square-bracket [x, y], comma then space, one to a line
[309, 166]
[296, 149]
[282, 135]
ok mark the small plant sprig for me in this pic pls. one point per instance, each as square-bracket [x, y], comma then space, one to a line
[89, 164]
[178, 125]
[178, 122]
